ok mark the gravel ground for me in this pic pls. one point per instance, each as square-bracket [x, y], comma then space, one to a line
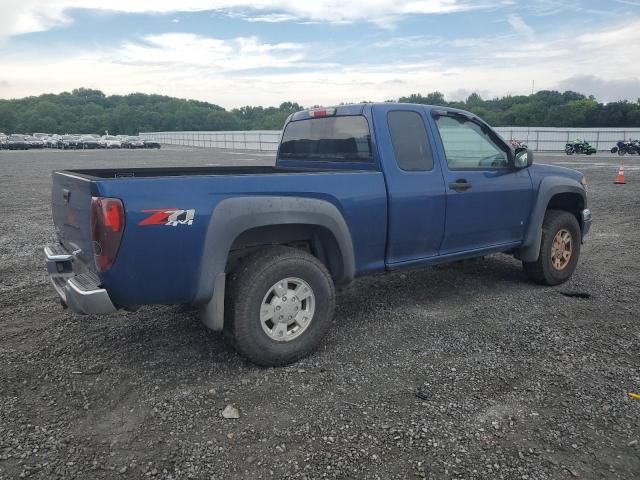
[462, 371]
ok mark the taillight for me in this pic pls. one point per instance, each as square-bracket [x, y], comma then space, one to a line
[107, 225]
[322, 112]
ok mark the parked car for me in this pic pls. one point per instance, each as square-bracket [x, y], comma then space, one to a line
[151, 144]
[34, 142]
[70, 142]
[356, 189]
[3, 141]
[109, 141]
[52, 141]
[16, 142]
[88, 142]
[133, 142]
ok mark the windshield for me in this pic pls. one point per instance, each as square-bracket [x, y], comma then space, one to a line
[344, 139]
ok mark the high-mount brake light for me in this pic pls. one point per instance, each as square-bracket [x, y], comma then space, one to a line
[107, 225]
[322, 112]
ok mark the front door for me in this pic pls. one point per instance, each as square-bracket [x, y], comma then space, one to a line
[488, 201]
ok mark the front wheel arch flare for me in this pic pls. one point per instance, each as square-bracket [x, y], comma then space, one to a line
[549, 188]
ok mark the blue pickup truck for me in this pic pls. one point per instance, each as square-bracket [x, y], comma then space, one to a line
[356, 189]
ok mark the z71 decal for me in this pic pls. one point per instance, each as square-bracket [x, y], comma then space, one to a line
[171, 217]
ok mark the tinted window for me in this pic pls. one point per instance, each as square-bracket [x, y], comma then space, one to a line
[329, 139]
[468, 147]
[410, 142]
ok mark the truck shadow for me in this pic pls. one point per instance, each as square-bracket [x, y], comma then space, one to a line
[171, 339]
[459, 282]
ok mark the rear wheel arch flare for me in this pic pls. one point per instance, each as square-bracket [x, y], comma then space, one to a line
[233, 217]
[319, 240]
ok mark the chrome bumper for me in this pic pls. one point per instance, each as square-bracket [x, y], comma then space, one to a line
[586, 222]
[81, 292]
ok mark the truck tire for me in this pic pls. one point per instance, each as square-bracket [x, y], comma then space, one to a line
[559, 249]
[279, 306]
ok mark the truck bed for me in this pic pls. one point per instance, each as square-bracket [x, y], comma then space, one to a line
[157, 263]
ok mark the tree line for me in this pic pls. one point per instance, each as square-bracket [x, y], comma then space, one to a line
[546, 108]
[91, 111]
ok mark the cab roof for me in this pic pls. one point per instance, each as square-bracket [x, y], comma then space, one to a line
[358, 109]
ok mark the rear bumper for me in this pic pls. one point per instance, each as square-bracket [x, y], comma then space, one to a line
[81, 292]
[586, 222]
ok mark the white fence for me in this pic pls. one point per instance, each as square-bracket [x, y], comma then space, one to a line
[541, 139]
[260, 140]
[546, 139]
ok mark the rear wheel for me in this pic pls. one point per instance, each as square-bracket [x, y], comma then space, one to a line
[559, 249]
[279, 306]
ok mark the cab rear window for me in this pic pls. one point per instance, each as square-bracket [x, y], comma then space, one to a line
[327, 139]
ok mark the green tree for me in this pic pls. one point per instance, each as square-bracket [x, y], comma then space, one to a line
[86, 110]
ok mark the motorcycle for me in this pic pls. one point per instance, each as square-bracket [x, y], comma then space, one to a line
[579, 146]
[518, 144]
[624, 147]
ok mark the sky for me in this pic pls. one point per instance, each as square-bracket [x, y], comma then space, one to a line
[320, 52]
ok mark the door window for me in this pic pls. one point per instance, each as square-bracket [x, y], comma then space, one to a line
[467, 147]
[410, 143]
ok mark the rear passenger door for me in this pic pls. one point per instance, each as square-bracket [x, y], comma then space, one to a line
[415, 186]
[488, 201]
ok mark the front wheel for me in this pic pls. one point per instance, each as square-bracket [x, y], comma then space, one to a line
[568, 150]
[279, 306]
[559, 249]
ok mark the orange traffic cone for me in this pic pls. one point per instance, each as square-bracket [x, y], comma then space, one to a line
[620, 177]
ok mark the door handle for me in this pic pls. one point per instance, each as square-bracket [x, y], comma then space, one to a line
[460, 185]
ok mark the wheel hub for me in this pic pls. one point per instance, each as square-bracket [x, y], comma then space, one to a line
[287, 309]
[561, 249]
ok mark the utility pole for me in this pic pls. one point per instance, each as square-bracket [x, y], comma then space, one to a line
[533, 86]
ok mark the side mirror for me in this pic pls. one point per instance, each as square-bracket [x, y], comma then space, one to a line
[523, 158]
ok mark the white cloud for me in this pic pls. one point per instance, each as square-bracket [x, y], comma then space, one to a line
[521, 27]
[603, 89]
[627, 35]
[246, 70]
[36, 15]
[179, 49]
[413, 41]
[271, 18]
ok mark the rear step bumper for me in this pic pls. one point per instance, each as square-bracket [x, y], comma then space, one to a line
[81, 292]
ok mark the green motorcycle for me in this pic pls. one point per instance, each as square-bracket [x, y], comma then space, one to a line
[579, 146]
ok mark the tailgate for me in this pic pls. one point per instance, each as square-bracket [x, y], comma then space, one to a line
[71, 205]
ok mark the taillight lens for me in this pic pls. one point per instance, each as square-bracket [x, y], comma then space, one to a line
[107, 225]
[322, 112]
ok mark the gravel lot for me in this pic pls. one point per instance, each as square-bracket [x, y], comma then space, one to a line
[462, 371]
